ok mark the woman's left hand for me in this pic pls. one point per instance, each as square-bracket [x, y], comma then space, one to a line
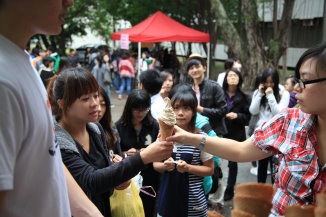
[269, 90]
[123, 185]
[116, 158]
[231, 115]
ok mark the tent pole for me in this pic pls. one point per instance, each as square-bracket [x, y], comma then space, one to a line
[139, 56]
[208, 58]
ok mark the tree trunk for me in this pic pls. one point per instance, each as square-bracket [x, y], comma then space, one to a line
[248, 44]
[255, 56]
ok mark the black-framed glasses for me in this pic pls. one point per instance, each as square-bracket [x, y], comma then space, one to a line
[141, 110]
[303, 83]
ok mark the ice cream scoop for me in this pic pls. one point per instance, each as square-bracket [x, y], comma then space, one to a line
[167, 120]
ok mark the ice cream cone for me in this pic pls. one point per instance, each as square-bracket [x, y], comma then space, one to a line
[321, 200]
[252, 205]
[165, 130]
[211, 213]
[260, 191]
[240, 213]
[167, 120]
[320, 212]
[299, 211]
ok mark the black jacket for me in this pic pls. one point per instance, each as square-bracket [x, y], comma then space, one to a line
[236, 127]
[97, 182]
[129, 139]
[213, 100]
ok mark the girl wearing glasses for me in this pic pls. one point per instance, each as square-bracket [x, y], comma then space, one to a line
[297, 135]
[138, 129]
[236, 119]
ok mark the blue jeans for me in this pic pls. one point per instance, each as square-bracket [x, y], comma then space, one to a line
[116, 81]
[125, 83]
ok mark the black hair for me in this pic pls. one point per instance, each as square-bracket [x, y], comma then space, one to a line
[151, 81]
[63, 64]
[228, 63]
[276, 79]
[106, 120]
[182, 87]
[165, 74]
[318, 53]
[292, 78]
[185, 97]
[257, 81]
[137, 99]
[225, 83]
[47, 60]
[124, 54]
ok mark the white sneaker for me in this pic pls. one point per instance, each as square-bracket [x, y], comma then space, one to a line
[217, 197]
[268, 172]
[254, 171]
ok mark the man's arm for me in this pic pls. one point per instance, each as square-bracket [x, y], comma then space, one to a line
[80, 204]
[3, 196]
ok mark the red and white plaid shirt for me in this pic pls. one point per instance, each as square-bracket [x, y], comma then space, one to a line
[292, 135]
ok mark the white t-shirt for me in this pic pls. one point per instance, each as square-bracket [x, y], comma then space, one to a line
[220, 78]
[30, 162]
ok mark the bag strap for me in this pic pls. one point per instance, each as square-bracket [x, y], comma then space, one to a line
[145, 191]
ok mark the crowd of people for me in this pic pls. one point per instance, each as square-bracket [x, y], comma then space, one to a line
[59, 145]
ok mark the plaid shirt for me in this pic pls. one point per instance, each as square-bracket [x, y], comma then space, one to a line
[292, 136]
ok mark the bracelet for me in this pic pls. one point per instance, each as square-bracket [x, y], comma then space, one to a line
[202, 143]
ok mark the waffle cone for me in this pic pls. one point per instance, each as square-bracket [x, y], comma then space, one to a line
[320, 212]
[252, 205]
[321, 200]
[211, 213]
[259, 191]
[240, 213]
[165, 130]
[299, 211]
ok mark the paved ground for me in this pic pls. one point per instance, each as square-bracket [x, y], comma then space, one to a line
[243, 168]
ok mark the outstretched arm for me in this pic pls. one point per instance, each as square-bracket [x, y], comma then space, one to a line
[225, 148]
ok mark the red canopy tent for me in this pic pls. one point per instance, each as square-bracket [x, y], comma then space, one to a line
[160, 27]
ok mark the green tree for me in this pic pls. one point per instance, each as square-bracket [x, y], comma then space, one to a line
[85, 14]
[242, 34]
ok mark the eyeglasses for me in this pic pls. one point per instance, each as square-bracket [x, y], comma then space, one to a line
[303, 83]
[141, 110]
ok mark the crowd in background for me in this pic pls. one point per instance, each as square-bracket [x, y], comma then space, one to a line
[59, 144]
[226, 109]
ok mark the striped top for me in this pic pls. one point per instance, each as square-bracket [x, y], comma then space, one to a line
[196, 204]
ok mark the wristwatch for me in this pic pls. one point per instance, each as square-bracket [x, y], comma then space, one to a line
[202, 143]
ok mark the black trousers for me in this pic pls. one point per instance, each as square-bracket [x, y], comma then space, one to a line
[232, 177]
[262, 169]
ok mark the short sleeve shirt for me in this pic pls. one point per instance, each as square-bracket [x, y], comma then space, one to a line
[292, 136]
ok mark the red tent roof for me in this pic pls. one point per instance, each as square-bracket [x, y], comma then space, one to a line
[159, 27]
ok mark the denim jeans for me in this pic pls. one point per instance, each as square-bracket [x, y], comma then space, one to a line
[125, 84]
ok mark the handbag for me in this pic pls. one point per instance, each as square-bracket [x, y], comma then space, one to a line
[127, 202]
[107, 77]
